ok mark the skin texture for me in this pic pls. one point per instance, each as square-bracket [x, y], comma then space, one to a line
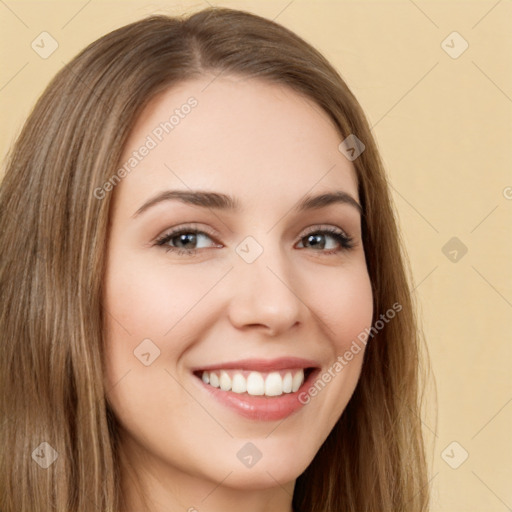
[268, 146]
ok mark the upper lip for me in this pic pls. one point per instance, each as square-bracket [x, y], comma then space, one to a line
[262, 365]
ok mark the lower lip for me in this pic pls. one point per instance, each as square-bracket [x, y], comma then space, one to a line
[261, 408]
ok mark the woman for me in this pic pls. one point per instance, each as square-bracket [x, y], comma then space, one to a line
[274, 367]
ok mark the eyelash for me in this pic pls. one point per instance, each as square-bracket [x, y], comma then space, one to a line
[345, 241]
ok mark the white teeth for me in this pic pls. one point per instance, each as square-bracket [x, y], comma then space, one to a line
[239, 384]
[214, 380]
[225, 381]
[287, 383]
[274, 384]
[256, 383]
[297, 381]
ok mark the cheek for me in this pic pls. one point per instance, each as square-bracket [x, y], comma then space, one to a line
[151, 298]
[344, 306]
[344, 303]
[148, 308]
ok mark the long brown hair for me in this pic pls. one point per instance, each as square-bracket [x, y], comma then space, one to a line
[53, 231]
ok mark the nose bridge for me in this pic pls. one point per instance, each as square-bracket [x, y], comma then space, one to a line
[263, 291]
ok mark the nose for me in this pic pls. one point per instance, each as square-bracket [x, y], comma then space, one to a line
[265, 295]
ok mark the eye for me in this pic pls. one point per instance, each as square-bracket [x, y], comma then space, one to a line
[316, 238]
[183, 240]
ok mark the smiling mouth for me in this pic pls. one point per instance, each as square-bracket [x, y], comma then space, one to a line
[255, 383]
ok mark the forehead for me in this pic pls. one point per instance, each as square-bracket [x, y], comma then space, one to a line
[253, 139]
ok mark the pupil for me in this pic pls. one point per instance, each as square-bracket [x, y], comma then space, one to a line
[313, 238]
[183, 238]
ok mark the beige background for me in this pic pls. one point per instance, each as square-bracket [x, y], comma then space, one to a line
[443, 125]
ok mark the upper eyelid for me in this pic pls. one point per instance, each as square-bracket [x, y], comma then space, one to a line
[188, 228]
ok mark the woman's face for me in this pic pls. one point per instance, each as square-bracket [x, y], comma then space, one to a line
[257, 295]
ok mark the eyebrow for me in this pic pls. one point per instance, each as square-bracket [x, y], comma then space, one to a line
[219, 201]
